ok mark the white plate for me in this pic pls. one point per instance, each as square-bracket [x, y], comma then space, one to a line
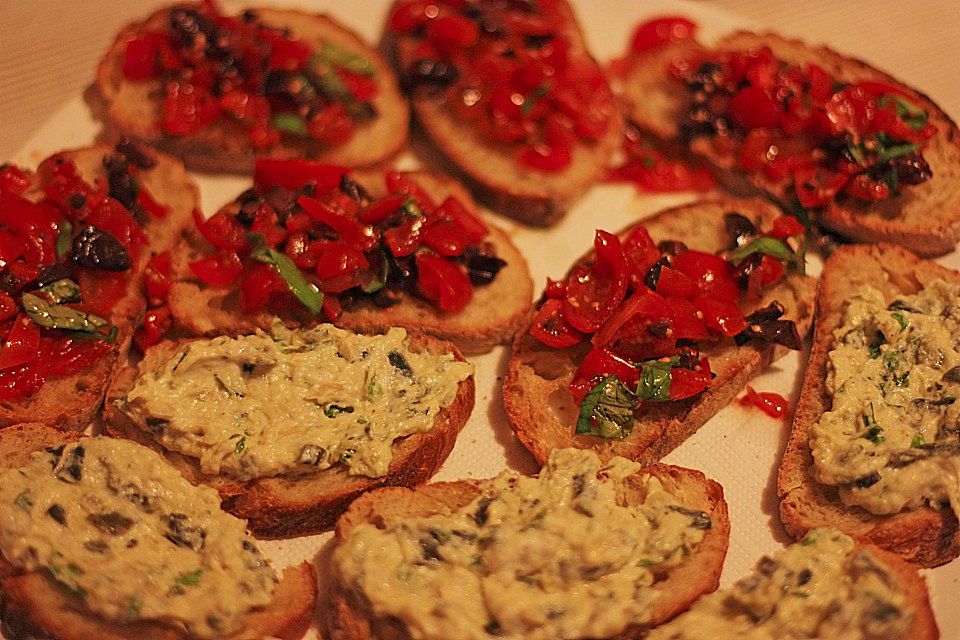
[740, 448]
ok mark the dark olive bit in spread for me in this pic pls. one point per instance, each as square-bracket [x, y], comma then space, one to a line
[739, 228]
[97, 249]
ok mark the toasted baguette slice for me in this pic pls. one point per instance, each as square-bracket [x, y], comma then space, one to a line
[535, 390]
[925, 218]
[134, 107]
[348, 615]
[33, 604]
[926, 536]
[287, 506]
[492, 317]
[490, 169]
[70, 402]
[839, 596]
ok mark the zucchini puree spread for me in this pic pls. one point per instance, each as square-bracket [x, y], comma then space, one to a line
[554, 556]
[120, 528]
[293, 402]
[889, 441]
[820, 587]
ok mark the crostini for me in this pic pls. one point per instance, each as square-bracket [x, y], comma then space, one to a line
[310, 242]
[291, 426]
[584, 550]
[658, 328]
[873, 450]
[863, 154]
[101, 538]
[218, 90]
[825, 586]
[510, 97]
[77, 235]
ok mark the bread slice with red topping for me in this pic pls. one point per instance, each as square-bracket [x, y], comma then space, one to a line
[929, 535]
[62, 379]
[537, 389]
[868, 156]
[528, 133]
[491, 316]
[33, 604]
[284, 506]
[302, 86]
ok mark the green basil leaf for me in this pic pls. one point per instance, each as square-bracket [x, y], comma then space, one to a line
[911, 114]
[289, 123]
[241, 445]
[64, 239]
[607, 410]
[411, 208]
[654, 381]
[353, 62]
[769, 246]
[56, 316]
[306, 292]
[60, 291]
[190, 577]
[895, 151]
[901, 319]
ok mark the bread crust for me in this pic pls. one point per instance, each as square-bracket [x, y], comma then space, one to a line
[224, 147]
[70, 402]
[32, 604]
[288, 506]
[490, 169]
[925, 218]
[492, 317]
[928, 537]
[535, 391]
[347, 615]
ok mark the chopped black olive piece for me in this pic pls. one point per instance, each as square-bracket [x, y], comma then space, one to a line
[355, 190]
[400, 363]
[671, 247]
[433, 73]
[900, 305]
[579, 484]
[911, 168]
[804, 577]
[122, 186]
[953, 375]
[700, 520]
[493, 628]
[480, 517]
[136, 152]
[57, 513]
[763, 324]
[739, 228]
[98, 249]
[182, 534]
[429, 548]
[482, 268]
[96, 546]
[112, 523]
[659, 329]
[157, 425]
[868, 480]
[767, 566]
[71, 466]
[652, 277]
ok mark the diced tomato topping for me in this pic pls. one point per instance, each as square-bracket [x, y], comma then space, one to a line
[259, 281]
[187, 109]
[713, 275]
[595, 290]
[551, 329]
[686, 383]
[13, 180]
[786, 227]
[442, 281]
[157, 278]
[156, 323]
[222, 231]
[599, 363]
[293, 174]
[658, 32]
[772, 404]
[21, 344]
[219, 270]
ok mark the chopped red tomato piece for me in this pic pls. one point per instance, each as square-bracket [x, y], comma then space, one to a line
[658, 32]
[595, 290]
[443, 282]
[21, 344]
[293, 174]
[551, 329]
[218, 270]
[686, 383]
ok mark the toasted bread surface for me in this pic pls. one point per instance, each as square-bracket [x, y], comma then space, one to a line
[69, 402]
[533, 196]
[925, 536]
[287, 506]
[34, 604]
[348, 615]
[925, 218]
[492, 317]
[135, 106]
[535, 390]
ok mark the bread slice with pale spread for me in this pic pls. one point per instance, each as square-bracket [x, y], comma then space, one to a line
[439, 83]
[137, 106]
[492, 316]
[522, 557]
[536, 392]
[35, 603]
[286, 500]
[923, 532]
[69, 402]
[924, 216]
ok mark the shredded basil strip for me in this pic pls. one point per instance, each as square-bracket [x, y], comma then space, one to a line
[654, 380]
[769, 246]
[61, 291]
[353, 62]
[64, 239]
[901, 319]
[607, 410]
[897, 150]
[57, 316]
[912, 115]
[411, 208]
[289, 123]
[190, 577]
[306, 292]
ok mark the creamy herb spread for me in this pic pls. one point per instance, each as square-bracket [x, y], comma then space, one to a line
[115, 524]
[890, 440]
[820, 587]
[554, 556]
[294, 401]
